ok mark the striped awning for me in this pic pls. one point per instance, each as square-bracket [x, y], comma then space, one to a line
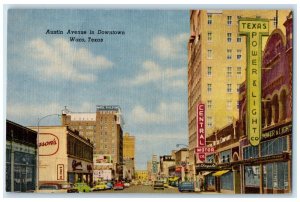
[220, 173]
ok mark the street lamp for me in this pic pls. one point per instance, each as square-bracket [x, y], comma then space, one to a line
[37, 143]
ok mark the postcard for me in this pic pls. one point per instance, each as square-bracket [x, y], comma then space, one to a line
[157, 101]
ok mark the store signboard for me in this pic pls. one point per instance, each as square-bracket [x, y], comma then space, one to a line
[254, 29]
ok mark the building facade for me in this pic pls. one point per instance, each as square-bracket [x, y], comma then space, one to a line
[21, 153]
[141, 175]
[64, 155]
[166, 161]
[105, 129]
[217, 66]
[267, 168]
[128, 156]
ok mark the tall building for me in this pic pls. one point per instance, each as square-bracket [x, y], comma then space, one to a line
[128, 156]
[217, 65]
[105, 129]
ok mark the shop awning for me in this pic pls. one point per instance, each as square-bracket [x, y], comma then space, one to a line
[173, 179]
[206, 173]
[220, 173]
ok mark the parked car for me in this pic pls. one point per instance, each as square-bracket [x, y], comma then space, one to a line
[82, 187]
[126, 184]
[109, 185]
[100, 186]
[158, 184]
[119, 185]
[186, 186]
[69, 187]
[51, 188]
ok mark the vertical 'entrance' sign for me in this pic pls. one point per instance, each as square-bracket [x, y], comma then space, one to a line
[254, 29]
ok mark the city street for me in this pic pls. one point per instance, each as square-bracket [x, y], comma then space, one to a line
[145, 189]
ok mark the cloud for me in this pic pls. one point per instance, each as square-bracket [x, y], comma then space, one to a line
[153, 73]
[165, 113]
[170, 47]
[28, 114]
[58, 59]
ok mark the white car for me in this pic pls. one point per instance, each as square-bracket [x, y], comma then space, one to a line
[126, 184]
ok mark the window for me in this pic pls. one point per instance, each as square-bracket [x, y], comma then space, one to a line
[229, 20]
[227, 181]
[209, 87]
[239, 39]
[275, 21]
[229, 37]
[239, 54]
[209, 19]
[229, 104]
[209, 36]
[209, 54]
[209, 104]
[239, 72]
[229, 54]
[209, 122]
[229, 71]
[229, 119]
[252, 176]
[238, 88]
[209, 73]
[229, 88]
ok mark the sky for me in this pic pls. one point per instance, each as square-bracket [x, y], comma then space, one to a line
[143, 71]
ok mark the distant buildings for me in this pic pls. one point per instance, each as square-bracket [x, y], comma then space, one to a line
[64, 156]
[141, 175]
[105, 129]
[21, 153]
[166, 161]
[128, 156]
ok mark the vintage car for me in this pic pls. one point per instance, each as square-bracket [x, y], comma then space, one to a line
[119, 185]
[100, 186]
[82, 187]
[109, 185]
[158, 184]
[186, 186]
[51, 188]
[69, 187]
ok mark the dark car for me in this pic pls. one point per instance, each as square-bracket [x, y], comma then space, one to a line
[186, 186]
[158, 184]
[69, 187]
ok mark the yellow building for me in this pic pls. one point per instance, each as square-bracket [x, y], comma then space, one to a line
[128, 146]
[128, 156]
[141, 175]
[217, 65]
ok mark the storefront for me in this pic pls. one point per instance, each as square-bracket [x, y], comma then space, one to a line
[20, 158]
[64, 156]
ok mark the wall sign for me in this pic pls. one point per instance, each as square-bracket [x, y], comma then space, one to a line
[60, 172]
[254, 29]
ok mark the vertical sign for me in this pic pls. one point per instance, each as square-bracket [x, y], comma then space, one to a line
[201, 140]
[254, 29]
[60, 172]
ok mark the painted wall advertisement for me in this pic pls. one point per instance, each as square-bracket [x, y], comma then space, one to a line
[102, 175]
[102, 159]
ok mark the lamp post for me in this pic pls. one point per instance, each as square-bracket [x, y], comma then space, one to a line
[37, 143]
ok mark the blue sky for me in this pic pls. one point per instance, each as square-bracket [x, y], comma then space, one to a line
[143, 71]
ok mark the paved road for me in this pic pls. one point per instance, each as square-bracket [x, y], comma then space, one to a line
[144, 189]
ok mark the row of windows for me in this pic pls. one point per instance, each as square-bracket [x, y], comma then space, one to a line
[271, 147]
[228, 88]
[210, 121]
[228, 72]
[229, 37]
[78, 148]
[229, 54]
[228, 104]
[229, 20]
